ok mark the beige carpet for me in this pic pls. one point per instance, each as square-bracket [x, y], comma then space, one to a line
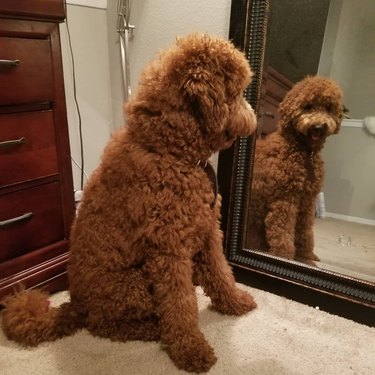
[280, 337]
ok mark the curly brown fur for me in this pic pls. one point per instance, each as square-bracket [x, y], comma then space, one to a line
[288, 170]
[28, 319]
[145, 227]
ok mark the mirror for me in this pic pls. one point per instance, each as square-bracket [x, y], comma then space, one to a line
[337, 44]
[285, 41]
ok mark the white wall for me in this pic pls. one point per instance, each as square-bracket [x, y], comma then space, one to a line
[88, 30]
[349, 184]
[348, 53]
[157, 24]
[348, 57]
[98, 64]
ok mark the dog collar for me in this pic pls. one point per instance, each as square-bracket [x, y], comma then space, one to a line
[210, 172]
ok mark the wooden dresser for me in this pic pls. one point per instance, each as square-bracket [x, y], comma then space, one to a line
[36, 187]
[273, 90]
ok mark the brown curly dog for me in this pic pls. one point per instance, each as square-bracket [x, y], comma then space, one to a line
[288, 170]
[147, 229]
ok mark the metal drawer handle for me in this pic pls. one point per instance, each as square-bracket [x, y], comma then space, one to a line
[10, 63]
[269, 114]
[15, 220]
[13, 142]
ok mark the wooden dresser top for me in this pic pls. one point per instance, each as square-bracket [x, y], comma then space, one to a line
[33, 9]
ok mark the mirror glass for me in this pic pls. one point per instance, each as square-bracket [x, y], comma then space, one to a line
[331, 38]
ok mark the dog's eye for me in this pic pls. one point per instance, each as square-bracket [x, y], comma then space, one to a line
[329, 107]
[307, 107]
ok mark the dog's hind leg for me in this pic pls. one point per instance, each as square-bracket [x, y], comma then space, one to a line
[119, 304]
[304, 236]
[280, 227]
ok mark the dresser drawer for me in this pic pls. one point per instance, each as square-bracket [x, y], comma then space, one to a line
[25, 70]
[27, 147]
[30, 219]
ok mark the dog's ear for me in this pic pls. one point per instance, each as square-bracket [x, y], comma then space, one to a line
[339, 118]
[205, 93]
[288, 109]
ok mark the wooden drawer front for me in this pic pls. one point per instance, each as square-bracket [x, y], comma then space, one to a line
[42, 222]
[27, 147]
[32, 79]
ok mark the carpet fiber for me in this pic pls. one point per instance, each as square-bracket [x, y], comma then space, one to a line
[279, 337]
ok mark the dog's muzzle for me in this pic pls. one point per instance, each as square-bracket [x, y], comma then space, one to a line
[317, 132]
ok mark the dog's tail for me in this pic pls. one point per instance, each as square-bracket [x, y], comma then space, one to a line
[29, 320]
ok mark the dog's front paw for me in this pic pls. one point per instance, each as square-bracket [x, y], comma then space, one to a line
[239, 303]
[313, 256]
[192, 354]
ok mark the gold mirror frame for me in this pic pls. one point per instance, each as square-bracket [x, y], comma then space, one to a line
[336, 293]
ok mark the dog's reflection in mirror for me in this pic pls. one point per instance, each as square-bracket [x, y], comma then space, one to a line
[288, 171]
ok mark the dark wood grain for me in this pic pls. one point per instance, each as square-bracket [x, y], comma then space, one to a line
[62, 133]
[45, 226]
[32, 79]
[40, 276]
[36, 176]
[33, 9]
[36, 156]
[273, 90]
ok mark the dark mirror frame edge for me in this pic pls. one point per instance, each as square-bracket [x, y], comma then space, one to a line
[331, 292]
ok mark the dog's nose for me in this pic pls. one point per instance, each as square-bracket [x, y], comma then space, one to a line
[317, 131]
[320, 127]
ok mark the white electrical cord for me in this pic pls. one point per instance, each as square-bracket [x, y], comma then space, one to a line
[124, 29]
[80, 168]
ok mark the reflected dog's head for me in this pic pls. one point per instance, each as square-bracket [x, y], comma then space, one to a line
[313, 108]
[190, 100]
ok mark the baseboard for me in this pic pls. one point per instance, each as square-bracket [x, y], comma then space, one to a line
[353, 219]
[49, 275]
[352, 123]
